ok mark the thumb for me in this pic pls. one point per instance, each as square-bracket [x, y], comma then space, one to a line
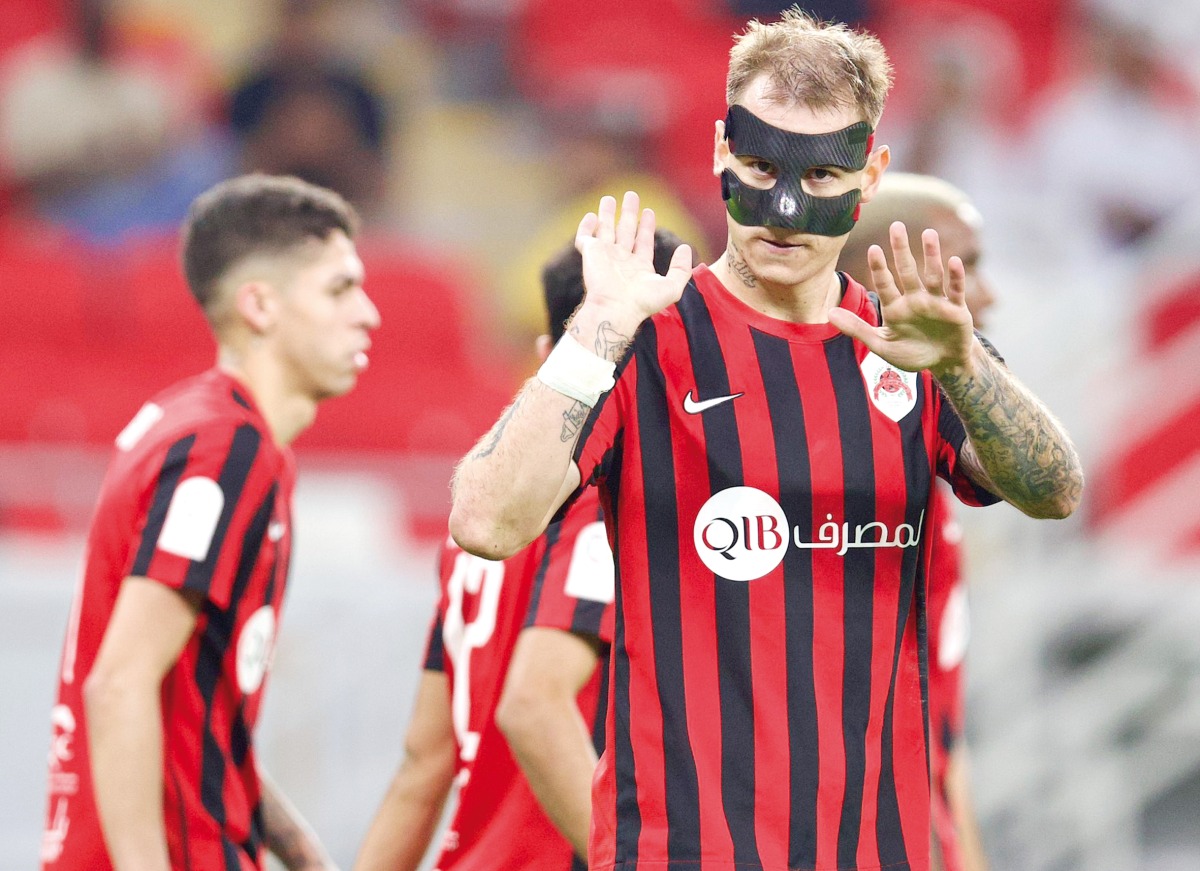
[679, 273]
[853, 326]
[681, 263]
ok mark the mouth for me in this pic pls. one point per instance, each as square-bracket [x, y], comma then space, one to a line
[780, 244]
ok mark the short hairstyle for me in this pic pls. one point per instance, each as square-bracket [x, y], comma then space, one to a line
[817, 64]
[562, 278]
[255, 214]
[917, 200]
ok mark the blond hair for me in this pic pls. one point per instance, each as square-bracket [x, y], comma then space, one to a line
[919, 201]
[817, 64]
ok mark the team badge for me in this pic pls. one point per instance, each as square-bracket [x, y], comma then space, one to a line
[893, 391]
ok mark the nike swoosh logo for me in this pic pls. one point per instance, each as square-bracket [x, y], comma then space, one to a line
[692, 406]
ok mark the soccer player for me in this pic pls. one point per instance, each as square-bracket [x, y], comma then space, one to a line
[511, 696]
[169, 644]
[764, 440]
[925, 201]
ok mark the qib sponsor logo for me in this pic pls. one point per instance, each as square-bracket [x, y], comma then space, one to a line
[742, 534]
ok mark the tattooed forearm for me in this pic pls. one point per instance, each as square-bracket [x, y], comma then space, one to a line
[611, 344]
[738, 266]
[1016, 449]
[486, 447]
[573, 419]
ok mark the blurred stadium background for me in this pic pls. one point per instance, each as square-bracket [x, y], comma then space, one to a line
[472, 134]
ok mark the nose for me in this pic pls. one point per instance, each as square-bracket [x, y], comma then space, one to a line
[368, 314]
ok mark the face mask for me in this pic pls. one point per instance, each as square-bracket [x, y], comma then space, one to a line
[785, 204]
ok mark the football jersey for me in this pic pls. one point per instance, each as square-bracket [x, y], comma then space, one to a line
[766, 487]
[949, 631]
[197, 497]
[564, 580]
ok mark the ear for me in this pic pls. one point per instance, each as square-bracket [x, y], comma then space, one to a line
[720, 149]
[544, 346]
[257, 305]
[877, 163]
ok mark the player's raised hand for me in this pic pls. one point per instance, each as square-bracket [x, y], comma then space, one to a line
[618, 261]
[926, 324]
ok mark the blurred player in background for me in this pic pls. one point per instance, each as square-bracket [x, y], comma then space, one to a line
[169, 644]
[511, 684]
[922, 201]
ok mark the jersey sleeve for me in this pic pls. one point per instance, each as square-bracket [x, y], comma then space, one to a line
[209, 509]
[574, 583]
[435, 645]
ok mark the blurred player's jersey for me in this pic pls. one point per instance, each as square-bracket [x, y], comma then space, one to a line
[949, 632]
[564, 581]
[197, 497]
[766, 484]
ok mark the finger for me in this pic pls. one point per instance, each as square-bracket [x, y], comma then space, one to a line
[586, 231]
[643, 245]
[627, 227]
[881, 276]
[907, 277]
[607, 213]
[855, 327]
[935, 275]
[680, 270]
[956, 289]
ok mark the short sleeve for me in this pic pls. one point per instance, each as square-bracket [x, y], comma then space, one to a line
[574, 584]
[210, 507]
[435, 649]
[435, 646]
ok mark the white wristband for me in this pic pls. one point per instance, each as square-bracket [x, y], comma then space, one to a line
[574, 371]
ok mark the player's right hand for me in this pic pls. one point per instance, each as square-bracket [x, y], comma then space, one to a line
[618, 263]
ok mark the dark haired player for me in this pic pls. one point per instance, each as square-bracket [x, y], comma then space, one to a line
[169, 644]
[765, 449]
[511, 700]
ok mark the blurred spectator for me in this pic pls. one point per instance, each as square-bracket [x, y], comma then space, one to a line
[959, 75]
[592, 156]
[309, 109]
[1111, 149]
[104, 134]
[853, 12]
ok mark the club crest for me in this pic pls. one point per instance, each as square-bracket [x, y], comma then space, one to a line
[893, 391]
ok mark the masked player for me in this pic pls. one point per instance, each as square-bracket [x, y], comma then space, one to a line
[765, 443]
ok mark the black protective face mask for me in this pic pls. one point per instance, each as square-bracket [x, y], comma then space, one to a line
[785, 204]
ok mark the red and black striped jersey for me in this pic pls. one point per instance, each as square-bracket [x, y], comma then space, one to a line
[766, 486]
[948, 635]
[197, 497]
[564, 580]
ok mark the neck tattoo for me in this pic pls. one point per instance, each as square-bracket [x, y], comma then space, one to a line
[738, 266]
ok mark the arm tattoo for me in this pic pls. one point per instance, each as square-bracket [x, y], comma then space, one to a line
[493, 438]
[610, 344]
[739, 267]
[1017, 449]
[573, 419]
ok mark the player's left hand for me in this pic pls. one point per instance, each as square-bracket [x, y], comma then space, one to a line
[926, 324]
